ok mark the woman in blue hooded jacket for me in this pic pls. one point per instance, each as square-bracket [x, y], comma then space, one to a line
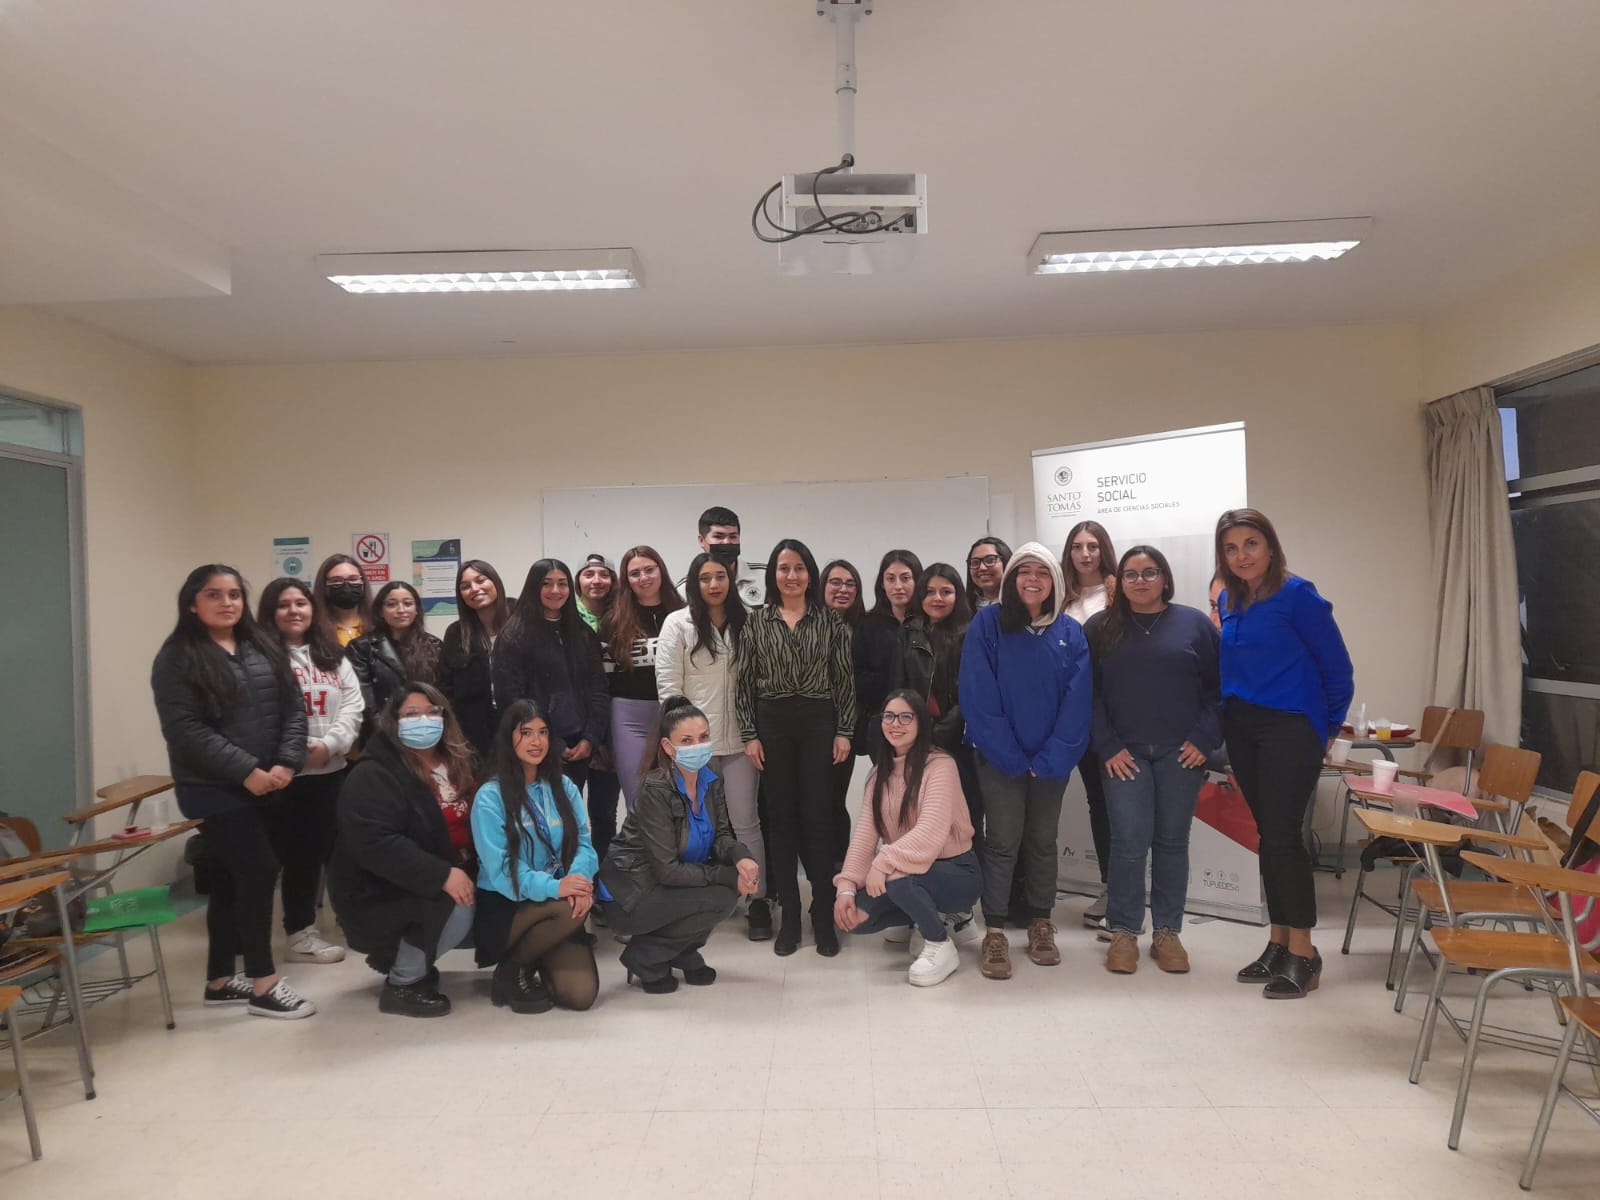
[1026, 693]
[536, 869]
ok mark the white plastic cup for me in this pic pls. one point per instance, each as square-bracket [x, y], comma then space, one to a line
[1384, 773]
[1340, 753]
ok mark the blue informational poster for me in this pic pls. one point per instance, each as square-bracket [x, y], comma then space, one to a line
[433, 574]
[291, 556]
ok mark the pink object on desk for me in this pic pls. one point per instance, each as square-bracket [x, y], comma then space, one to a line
[1434, 797]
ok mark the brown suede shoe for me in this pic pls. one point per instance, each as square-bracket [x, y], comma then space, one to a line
[1122, 956]
[1042, 943]
[994, 960]
[1169, 953]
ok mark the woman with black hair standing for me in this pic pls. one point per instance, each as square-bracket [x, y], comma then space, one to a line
[401, 878]
[1286, 686]
[986, 565]
[875, 648]
[697, 658]
[341, 588]
[234, 721]
[929, 664]
[1157, 715]
[549, 656]
[841, 591]
[796, 709]
[1089, 566]
[676, 870]
[629, 632]
[536, 869]
[597, 591]
[396, 649]
[303, 818]
[465, 675]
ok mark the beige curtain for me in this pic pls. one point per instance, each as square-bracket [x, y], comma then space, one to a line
[1477, 649]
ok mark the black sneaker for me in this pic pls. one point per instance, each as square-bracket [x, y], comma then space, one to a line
[235, 992]
[418, 999]
[759, 918]
[282, 1002]
[519, 989]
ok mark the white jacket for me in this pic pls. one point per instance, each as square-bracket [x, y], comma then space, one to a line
[333, 707]
[707, 684]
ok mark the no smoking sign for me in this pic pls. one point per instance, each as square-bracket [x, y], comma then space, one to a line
[372, 552]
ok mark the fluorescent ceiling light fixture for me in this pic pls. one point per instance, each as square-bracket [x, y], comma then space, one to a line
[1101, 250]
[483, 271]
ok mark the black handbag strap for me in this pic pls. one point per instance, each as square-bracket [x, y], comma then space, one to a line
[1576, 851]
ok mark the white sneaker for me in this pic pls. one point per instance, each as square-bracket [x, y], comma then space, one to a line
[309, 946]
[937, 962]
[897, 935]
[964, 928]
[282, 1002]
[1094, 916]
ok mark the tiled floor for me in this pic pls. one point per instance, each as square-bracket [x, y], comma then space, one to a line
[802, 1077]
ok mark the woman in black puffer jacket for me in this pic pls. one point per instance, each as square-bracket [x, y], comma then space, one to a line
[234, 720]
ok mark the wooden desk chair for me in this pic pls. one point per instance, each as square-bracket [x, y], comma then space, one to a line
[28, 966]
[9, 996]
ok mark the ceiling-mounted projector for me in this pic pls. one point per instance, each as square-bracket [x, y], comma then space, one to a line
[835, 221]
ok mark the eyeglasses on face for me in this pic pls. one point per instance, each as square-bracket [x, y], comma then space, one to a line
[987, 560]
[899, 718]
[843, 585]
[1149, 575]
[433, 710]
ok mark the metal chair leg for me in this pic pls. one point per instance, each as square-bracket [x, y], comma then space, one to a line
[75, 1004]
[1400, 922]
[1429, 1020]
[1411, 957]
[161, 976]
[1344, 828]
[1469, 1060]
[1355, 906]
[15, 1037]
[1548, 1110]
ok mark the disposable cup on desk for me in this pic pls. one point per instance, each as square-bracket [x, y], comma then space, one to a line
[1383, 731]
[1406, 801]
[1340, 751]
[1383, 775]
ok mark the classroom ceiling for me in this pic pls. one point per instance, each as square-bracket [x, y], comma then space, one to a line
[164, 152]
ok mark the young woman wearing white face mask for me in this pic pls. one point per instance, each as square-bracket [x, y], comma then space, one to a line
[675, 870]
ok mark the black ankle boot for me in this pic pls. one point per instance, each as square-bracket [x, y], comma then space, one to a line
[659, 986]
[420, 999]
[827, 936]
[1294, 977]
[1265, 967]
[518, 988]
[788, 940]
[759, 919]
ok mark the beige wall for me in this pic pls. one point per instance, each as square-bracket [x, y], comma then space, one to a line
[139, 511]
[1540, 314]
[426, 449]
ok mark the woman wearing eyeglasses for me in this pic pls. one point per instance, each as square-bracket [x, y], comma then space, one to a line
[1157, 715]
[841, 592]
[986, 565]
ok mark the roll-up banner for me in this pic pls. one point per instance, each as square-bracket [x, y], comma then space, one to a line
[1165, 490]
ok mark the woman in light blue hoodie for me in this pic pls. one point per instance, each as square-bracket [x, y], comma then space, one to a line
[536, 868]
[1026, 693]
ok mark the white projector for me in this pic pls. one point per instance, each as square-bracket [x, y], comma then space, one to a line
[868, 223]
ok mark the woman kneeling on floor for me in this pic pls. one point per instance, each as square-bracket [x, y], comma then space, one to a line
[401, 875]
[915, 856]
[536, 870]
[675, 870]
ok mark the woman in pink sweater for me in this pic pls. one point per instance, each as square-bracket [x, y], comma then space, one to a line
[914, 856]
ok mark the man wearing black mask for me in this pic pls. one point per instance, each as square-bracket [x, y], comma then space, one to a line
[719, 537]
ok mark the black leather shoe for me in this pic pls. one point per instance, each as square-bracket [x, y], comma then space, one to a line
[788, 940]
[1265, 967]
[827, 936]
[519, 989]
[701, 976]
[1294, 978]
[658, 987]
[413, 1000]
[759, 918]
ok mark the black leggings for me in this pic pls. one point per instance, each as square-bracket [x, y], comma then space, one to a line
[1094, 787]
[797, 739]
[302, 821]
[839, 782]
[1277, 758]
[244, 876]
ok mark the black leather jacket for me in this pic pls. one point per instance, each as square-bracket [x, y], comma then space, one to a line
[264, 725]
[648, 852]
[914, 670]
[379, 669]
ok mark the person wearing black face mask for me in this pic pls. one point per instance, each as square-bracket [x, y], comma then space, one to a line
[345, 613]
[719, 537]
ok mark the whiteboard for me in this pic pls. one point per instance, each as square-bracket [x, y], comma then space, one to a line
[936, 518]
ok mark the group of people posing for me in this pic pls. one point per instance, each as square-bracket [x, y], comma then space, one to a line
[464, 791]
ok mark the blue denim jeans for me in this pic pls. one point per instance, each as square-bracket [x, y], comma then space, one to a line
[950, 885]
[411, 964]
[1150, 818]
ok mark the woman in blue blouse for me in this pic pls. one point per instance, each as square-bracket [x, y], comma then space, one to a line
[536, 869]
[1286, 684]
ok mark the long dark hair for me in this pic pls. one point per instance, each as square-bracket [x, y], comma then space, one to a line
[1108, 558]
[1014, 613]
[916, 764]
[858, 607]
[507, 770]
[974, 593]
[880, 599]
[460, 763]
[325, 610]
[1111, 628]
[675, 710]
[813, 589]
[948, 634]
[527, 624]
[621, 625]
[419, 653]
[705, 637]
[474, 636]
[1277, 569]
[325, 651]
[201, 661]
